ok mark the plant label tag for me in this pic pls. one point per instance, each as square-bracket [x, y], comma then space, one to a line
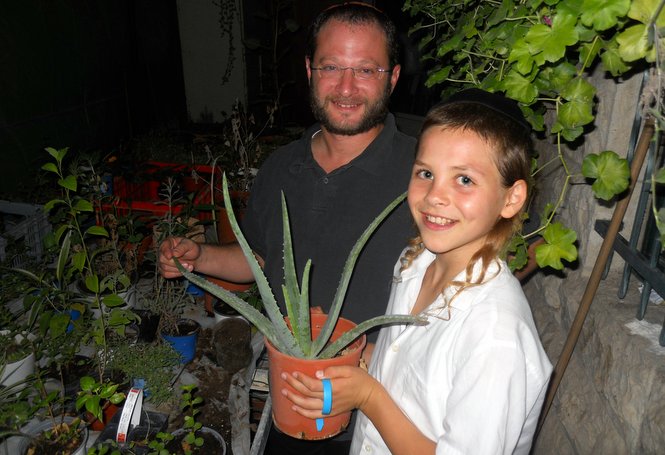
[131, 414]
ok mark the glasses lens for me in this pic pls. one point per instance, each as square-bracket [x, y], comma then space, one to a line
[365, 73]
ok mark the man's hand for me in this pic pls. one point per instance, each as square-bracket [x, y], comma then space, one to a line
[186, 250]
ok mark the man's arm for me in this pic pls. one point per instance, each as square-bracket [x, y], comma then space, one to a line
[226, 262]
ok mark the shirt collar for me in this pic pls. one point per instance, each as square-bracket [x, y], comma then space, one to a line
[419, 267]
[371, 160]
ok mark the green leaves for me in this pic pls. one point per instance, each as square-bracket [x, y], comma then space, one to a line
[610, 172]
[548, 44]
[601, 14]
[540, 53]
[560, 244]
[95, 396]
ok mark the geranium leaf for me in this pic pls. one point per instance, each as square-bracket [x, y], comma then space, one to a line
[519, 88]
[612, 61]
[633, 43]
[611, 174]
[642, 10]
[438, 76]
[559, 244]
[601, 14]
[521, 55]
[551, 42]
[575, 113]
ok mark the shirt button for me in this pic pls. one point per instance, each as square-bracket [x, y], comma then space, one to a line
[325, 180]
[395, 347]
[368, 448]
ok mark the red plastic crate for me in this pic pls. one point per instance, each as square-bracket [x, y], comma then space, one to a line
[139, 193]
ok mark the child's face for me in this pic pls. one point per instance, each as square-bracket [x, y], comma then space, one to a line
[455, 194]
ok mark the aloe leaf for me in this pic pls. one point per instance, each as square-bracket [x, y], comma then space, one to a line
[329, 325]
[290, 288]
[269, 302]
[263, 324]
[334, 348]
[305, 335]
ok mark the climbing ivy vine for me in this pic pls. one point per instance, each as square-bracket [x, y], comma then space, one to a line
[541, 53]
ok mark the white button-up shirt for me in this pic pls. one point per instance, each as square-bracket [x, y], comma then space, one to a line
[473, 379]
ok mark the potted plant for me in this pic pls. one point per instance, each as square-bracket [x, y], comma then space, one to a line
[169, 298]
[16, 407]
[17, 357]
[151, 364]
[73, 214]
[300, 340]
[193, 436]
[100, 400]
[59, 432]
[17, 354]
[223, 310]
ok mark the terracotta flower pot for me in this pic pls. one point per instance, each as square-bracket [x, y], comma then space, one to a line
[95, 424]
[289, 421]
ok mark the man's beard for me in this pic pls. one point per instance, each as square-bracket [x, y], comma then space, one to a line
[373, 116]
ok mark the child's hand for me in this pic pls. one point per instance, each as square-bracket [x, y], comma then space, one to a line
[351, 389]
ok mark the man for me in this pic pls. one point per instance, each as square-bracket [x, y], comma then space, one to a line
[336, 179]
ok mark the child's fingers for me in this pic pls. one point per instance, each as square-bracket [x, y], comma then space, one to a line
[309, 407]
[304, 384]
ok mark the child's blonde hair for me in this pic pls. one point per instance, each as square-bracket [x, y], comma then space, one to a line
[498, 121]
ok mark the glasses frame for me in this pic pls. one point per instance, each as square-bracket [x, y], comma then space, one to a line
[341, 69]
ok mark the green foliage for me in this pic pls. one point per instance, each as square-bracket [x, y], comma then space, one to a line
[95, 396]
[74, 229]
[109, 447]
[158, 445]
[297, 343]
[560, 244]
[611, 174]
[15, 407]
[541, 54]
[190, 406]
[153, 362]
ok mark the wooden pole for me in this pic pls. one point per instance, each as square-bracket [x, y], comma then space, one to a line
[597, 272]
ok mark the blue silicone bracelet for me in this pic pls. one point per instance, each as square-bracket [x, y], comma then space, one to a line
[327, 397]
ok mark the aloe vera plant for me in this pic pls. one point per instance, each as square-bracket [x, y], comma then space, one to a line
[297, 340]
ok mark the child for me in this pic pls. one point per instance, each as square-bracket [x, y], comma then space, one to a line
[471, 381]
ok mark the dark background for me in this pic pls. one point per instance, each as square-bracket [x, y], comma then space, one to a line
[93, 74]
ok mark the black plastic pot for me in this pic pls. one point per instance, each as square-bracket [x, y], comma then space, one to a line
[147, 328]
[151, 423]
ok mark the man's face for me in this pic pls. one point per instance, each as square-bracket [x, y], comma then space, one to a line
[345, 104]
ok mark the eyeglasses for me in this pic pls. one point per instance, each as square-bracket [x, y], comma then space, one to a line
[364, 73]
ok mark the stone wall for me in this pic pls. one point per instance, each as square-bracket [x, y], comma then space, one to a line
[612, 397]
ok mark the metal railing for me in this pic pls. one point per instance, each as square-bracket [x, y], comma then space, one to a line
[642, 251]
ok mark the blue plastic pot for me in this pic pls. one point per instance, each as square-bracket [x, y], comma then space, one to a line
[139, 383]
[194, 290]
[74, 315]
[185, 343]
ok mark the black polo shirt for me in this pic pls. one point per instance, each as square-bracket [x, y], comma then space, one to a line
[328, 212]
